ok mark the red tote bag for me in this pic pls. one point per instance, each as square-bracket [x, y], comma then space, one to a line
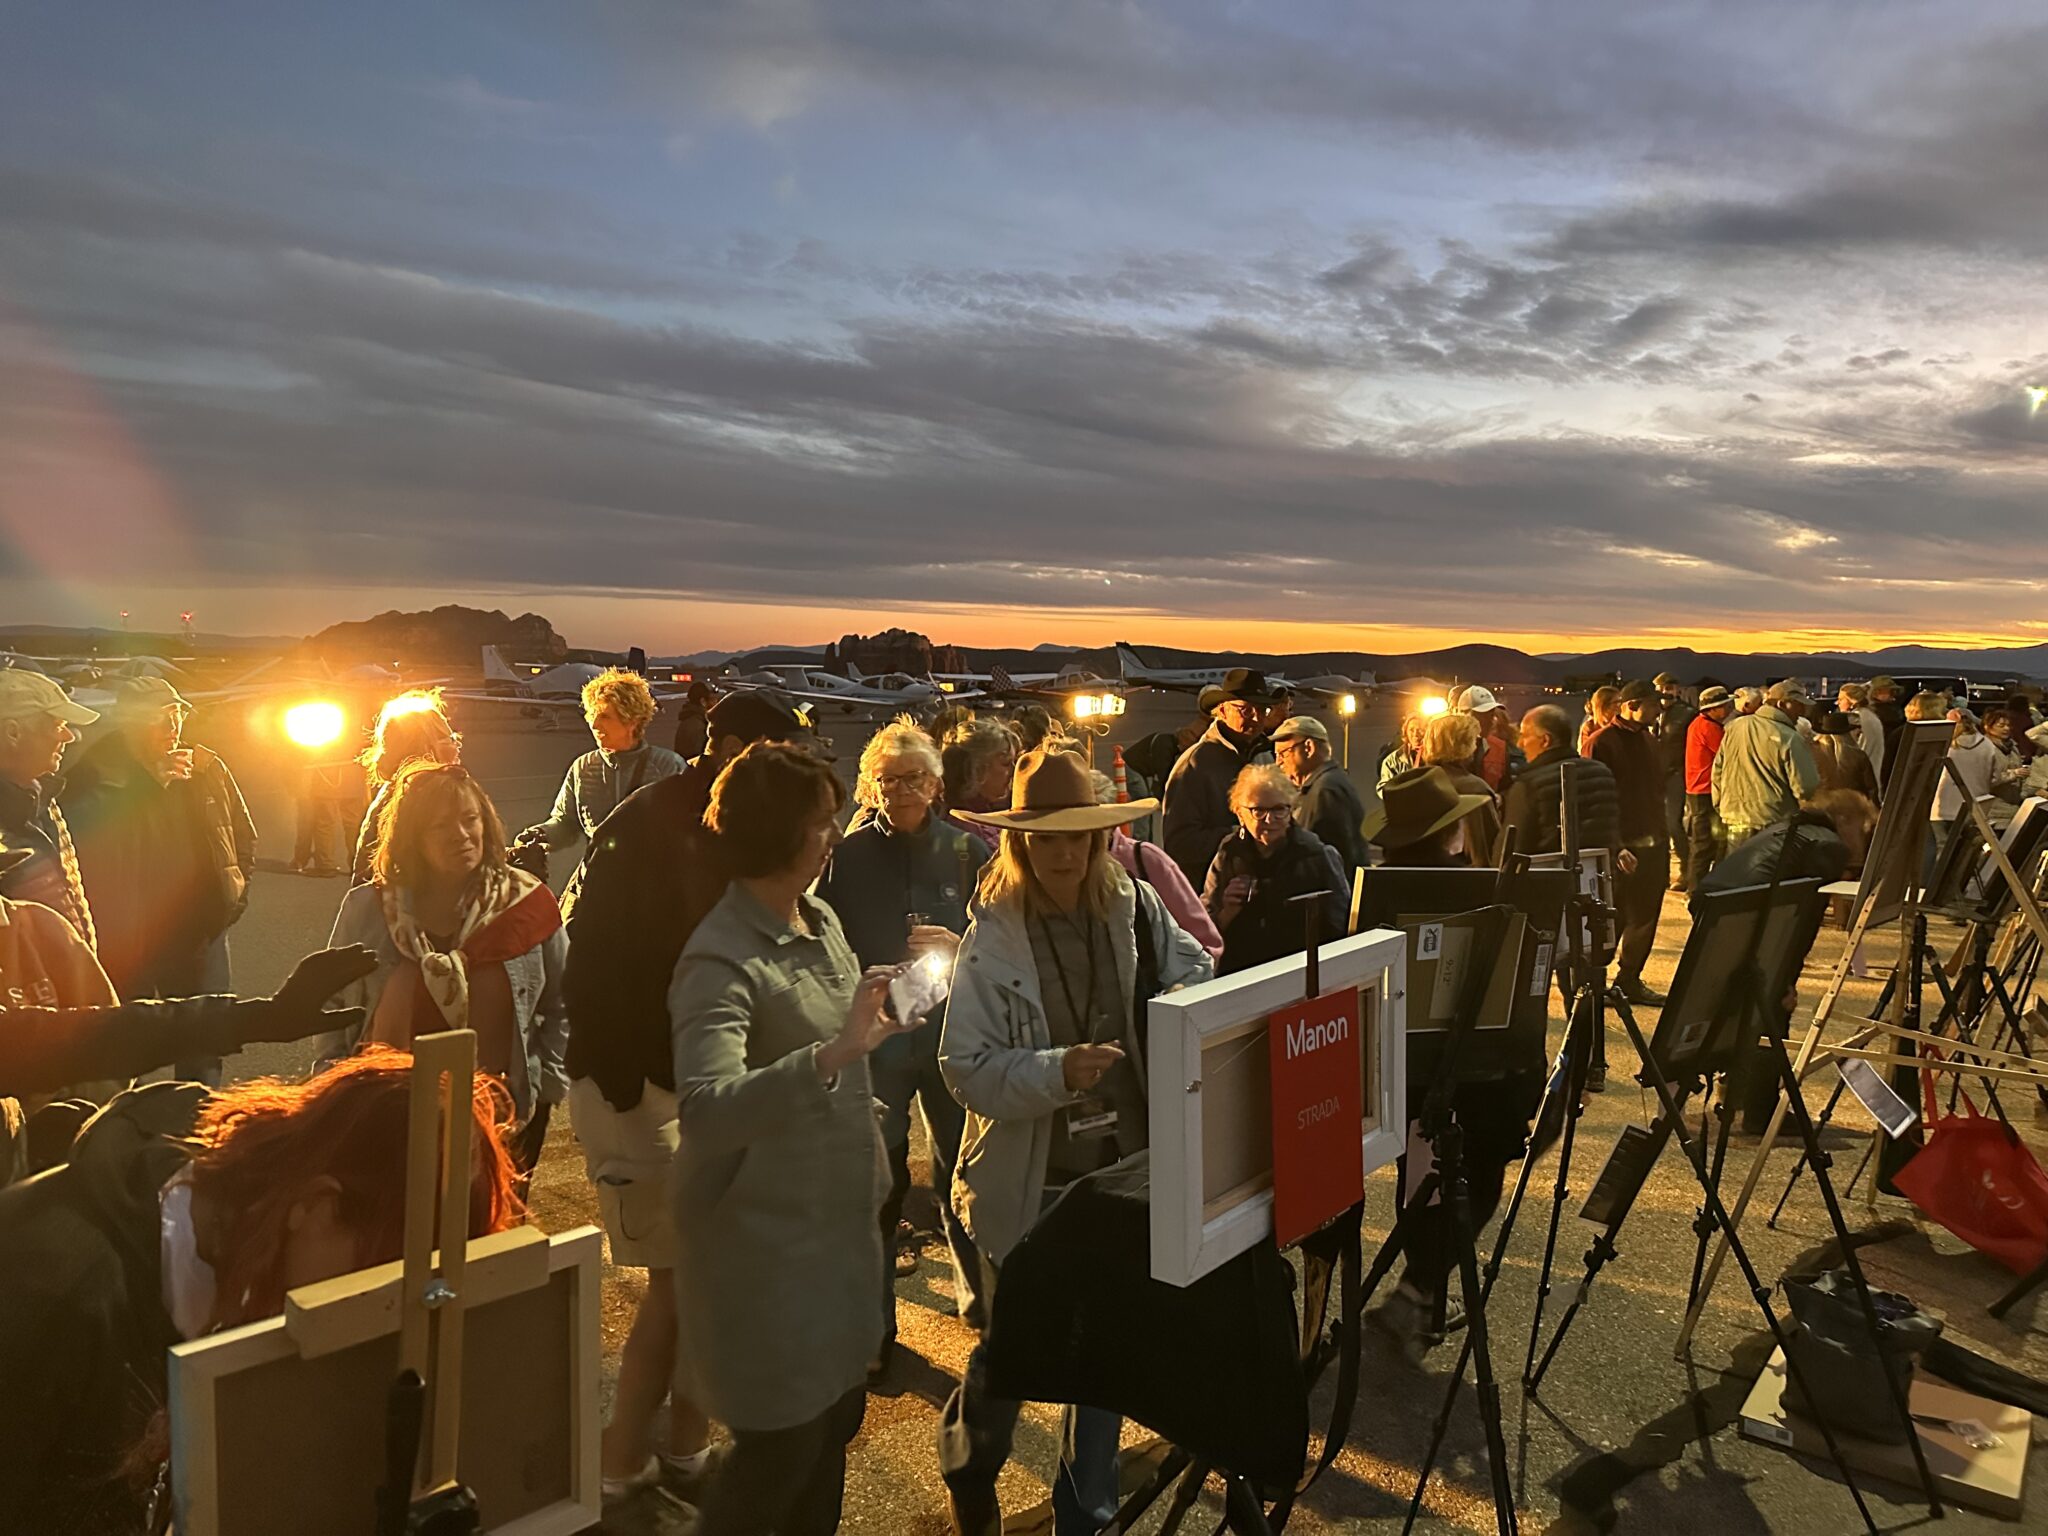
[1980, 1181]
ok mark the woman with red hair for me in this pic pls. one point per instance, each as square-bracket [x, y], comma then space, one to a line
[179, 1213]
[463, 941]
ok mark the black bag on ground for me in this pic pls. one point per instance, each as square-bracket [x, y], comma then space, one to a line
[1843, 1366]
[1213, 1367]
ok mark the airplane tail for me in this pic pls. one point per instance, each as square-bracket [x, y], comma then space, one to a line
[1127, 664]
[495, 670]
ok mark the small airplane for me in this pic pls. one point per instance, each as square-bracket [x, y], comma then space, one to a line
[1001, 686]
[1174, 680]
[1327, 687]
[551, 694]
[889, 690]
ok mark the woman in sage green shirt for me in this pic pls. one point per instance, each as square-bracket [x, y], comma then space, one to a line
[779, 1175]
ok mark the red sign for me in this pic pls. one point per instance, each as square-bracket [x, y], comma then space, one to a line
[1318, 1162]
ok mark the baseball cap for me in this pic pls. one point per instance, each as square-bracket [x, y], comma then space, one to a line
[140, 695]
[1478, 701]
[1637, 691]
[1297, 726]
[1666, 680]
[24, 693]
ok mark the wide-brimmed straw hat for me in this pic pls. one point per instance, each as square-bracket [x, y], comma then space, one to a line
[1415, 804]
[1053, 793]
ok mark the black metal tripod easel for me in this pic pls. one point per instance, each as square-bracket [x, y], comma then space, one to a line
[1753, 1013]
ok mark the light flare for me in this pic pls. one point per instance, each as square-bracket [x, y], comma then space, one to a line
[314, 724]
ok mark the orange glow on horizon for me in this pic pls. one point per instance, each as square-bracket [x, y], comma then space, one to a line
[673, 624]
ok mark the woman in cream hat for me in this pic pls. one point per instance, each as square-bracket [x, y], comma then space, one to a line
[1043, 1045]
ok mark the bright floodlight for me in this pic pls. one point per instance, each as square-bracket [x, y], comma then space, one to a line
[1112, 704]
[1433, 706]
[1084, 706]
[315, 724]
[1347, 704]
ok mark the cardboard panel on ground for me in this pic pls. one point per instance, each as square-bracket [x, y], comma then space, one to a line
[280, 1425]
[1992, 1480]
[1210, 1084]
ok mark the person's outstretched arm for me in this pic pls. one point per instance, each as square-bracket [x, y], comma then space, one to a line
[43, 1049]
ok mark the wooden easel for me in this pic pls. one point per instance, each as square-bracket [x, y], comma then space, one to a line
[286, 1424]
[437, 1182]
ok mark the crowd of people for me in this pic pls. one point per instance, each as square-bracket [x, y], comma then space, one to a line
[743, 992]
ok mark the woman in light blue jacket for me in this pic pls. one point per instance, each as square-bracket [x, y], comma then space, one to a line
[1042, 1047]
[463, 941]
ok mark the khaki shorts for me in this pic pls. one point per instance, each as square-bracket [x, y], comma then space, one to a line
[628, 1155]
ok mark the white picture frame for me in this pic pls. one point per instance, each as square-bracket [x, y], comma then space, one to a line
[1209, 1083]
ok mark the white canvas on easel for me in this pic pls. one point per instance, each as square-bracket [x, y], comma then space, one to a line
[1209, 1084]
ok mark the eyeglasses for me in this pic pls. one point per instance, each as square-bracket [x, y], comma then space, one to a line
[1267, 812]
[889, 781]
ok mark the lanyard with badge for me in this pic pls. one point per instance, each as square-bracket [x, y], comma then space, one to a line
[1091, 1118]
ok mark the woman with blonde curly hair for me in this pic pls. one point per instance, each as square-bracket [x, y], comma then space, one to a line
[618, 706]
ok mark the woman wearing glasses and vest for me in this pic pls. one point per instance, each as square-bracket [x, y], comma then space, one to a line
[1041, 1046]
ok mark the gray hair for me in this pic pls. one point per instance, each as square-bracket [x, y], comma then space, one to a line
[901, 737]
[1750, 696]
[1256, 775]
[1783, 689]
[971, 745]
[1553, 722]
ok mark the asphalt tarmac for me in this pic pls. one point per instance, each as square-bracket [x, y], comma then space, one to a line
[1623, 1437]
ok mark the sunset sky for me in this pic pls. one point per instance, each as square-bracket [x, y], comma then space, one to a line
[1280, 326]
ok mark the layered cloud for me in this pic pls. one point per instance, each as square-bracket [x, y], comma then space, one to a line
[1687, 321]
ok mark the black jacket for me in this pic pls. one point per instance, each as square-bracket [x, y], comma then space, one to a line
[1536, 804]
[1672, 725]
[1331, 808]
[83, 1329]
[1196, 813]
[43, 1049]
[1632, 756]
[1892, 716]
[1806, 844]
[1270, 924]
[879, 875]
[651, 875]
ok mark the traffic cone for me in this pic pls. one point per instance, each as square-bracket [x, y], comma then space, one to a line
[1117, 777]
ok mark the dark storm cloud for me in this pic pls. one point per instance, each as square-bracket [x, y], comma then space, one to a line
[496, 440]
[1412, 69]
[1583, 418]
[1951, 161]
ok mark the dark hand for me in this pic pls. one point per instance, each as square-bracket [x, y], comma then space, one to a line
[319, 976]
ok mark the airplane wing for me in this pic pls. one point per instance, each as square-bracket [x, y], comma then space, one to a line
[561, 701]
